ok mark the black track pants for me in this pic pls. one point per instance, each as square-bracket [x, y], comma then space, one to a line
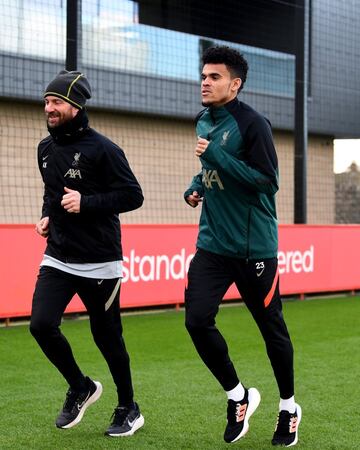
[53, 291]
[209, 278]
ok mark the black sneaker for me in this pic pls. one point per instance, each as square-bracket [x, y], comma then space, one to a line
[286, 430]
[125, 421]
[239, 413]
[76, 404]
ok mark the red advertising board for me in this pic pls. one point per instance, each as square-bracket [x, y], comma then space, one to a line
[156, 257]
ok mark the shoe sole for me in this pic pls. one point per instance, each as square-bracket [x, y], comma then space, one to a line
[299, 414]
[139, 422]
[254, 401]
[96, 395]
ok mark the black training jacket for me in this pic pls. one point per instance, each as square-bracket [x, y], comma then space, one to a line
[96, 167]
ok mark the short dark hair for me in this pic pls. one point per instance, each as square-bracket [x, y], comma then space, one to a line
[233, 60]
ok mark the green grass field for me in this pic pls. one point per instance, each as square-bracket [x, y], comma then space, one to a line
[183, 406]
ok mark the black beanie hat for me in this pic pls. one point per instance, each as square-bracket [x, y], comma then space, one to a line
[73, 87]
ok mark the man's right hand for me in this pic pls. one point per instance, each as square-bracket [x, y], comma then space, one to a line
[42, 227]
[194, 199]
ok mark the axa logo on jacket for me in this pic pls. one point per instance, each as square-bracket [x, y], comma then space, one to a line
[211, 176]
[73, 173]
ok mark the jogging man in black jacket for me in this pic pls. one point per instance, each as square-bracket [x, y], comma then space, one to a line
[87, 183]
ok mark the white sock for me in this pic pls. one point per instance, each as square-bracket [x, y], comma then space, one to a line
[237, 393]
[287, 405]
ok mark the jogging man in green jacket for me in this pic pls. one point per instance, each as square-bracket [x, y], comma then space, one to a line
[237, 241]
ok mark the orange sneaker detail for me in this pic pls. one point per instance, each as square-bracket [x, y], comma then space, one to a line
[240, 412]
[293, 424]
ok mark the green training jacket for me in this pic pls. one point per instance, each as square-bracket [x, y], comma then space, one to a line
[238, 182]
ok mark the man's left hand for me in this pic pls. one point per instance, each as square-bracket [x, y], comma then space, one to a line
[71, 200]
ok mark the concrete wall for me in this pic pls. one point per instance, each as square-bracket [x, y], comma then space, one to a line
[160, 152]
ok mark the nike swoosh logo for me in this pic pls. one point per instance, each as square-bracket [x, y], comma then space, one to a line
[80, 405]
[131, 424]
[258, 274]
[99, 282]
[44, 157]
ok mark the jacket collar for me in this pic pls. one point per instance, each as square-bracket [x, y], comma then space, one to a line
[221, 111]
